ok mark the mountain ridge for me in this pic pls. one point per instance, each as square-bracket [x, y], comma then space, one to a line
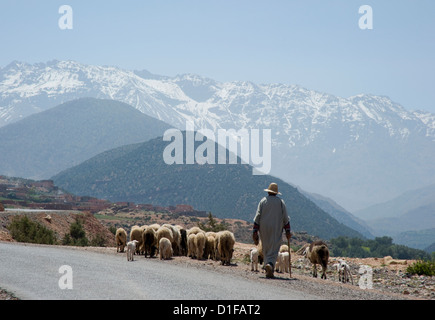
[138, 173]
[359, 150]
[47, 142]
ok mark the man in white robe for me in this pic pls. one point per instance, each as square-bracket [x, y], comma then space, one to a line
[271, 218]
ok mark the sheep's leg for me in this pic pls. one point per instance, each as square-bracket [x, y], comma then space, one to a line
[323, 273]
[314, 270]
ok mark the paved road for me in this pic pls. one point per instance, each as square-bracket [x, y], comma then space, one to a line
[32, 272]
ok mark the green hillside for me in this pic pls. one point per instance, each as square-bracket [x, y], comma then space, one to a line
[45, 143]
[138, 173]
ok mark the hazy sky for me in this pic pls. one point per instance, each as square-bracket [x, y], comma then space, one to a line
[317, 44]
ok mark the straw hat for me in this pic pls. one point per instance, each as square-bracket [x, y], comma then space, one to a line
[273, 188]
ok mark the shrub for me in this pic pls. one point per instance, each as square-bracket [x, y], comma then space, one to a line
[98, 241]
[212, 225]
[25, 230]
[421, 267]
[76, 235]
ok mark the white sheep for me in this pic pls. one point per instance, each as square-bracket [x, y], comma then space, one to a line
[283, 248]
[344, 273]
[131, 248]
[284, 262]
[254, 259]
[165, 249]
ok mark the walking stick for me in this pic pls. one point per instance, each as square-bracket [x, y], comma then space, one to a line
[289, 257]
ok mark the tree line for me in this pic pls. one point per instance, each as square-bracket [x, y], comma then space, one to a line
[373, 248]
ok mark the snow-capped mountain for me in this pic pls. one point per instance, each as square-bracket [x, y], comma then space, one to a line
[359, 150]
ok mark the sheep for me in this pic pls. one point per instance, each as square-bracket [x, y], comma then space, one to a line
[211, 233]
[225, 245]
[200, 244]
[131, 248]
[318, 253]
[284, 261]
[149, 241]
[344, 272]
[136, 234]
[209, 250]
[165, 249]
[191, 246]
[176, 238]
[194, 230]
[164, 232]
[155, 226]
[120, 239]
[254, 259]
[183, 240]
[282, 248]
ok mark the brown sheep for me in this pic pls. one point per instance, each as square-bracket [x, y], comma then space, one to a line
[209, 250]
[183, 240]
[149, 241]
[164, 232]
[191, 248]
[226, 242]
[200, 244]
[195, 230]
[318, 253]
[176, 238]
[136, 234]
[120, 239]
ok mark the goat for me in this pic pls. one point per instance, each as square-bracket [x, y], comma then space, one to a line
[318, 253]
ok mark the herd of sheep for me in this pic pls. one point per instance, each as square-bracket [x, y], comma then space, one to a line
[167, 241]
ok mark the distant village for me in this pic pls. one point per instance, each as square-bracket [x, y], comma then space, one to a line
[15, 192]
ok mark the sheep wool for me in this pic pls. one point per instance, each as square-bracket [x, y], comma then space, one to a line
[176, 238]
[253, 255]
[209, 250]
[120, 239]
[318, 253]
[191, 247]
[200, 244]
[183, 240]
[165, 249]
[149, 241]
[283, 262]
[131, 248]
[164, 232]
[226, 242]
[136, 234]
